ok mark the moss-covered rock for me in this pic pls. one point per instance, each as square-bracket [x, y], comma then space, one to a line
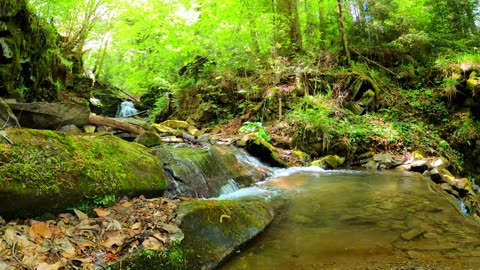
[202, 172]
[260, 148]
[213, 231]
[46, 171]
[329, 162]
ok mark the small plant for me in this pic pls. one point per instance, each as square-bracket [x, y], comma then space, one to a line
[450, 89]
[251, 127]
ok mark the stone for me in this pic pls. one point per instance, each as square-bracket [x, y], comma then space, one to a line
[89, 128]
[47, 171]
[194, 131]
[419, 166]
[329, 162]
[165, 130]
[412, 234]
[176, 124]
[70, 129]
[435, 175]
[300, 155]
[149, 139]
[440, 163]
[372, 165]
[44, 115]
[261, 149]
[203, 171]
[213, 231]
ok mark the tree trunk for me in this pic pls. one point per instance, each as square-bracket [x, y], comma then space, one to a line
[115, 123]
[343, 33]
[288, 27]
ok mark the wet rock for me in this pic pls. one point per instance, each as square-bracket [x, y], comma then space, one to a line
[425, 245]
[43, 115]
[260, 148]
[329, 162]
[148, 139]
[372, 165]
[419, 166]
[435, 175]
[165, 130]
[89, 128]
[176, 124]
[70, 129]
[213, 231]
[412, 234]
[441, 163]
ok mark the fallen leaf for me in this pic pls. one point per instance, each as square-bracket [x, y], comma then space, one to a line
[170, 228]
[113, 238]
[46, 266]
[80, 214]
[101, 212]
[40, 230]
[67, 250]
[152, 243]
[136, 226]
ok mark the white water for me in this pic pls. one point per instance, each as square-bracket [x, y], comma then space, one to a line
[126, 109]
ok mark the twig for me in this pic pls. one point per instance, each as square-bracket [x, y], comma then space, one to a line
[6, 138]
[373, 62]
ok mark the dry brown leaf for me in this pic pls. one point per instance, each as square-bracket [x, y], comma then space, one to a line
[80, 214]
[137, 226]
[170, 228]
[67, 250]
[40, 230]
[46, 266]
[101, 212]
[125, 204]
[152, 243]
[113, 238]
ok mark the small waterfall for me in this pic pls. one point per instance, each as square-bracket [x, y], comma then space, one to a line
[126, 109]
[229, 187]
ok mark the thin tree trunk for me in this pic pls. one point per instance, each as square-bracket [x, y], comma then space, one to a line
[343, 33]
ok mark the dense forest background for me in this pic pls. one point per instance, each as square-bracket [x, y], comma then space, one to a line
[319, 76]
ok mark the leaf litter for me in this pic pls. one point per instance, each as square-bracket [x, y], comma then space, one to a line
[76, 241]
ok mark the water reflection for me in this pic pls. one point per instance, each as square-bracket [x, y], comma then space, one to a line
[352, 220]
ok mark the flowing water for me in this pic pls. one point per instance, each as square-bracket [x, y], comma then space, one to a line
[358, 220]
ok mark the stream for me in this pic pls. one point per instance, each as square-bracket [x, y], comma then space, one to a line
[357, 220]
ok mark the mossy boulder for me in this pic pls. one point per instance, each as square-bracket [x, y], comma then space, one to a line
[260, 148]
[213, 231]
[46, 171]
[329, 162]
[202, 172]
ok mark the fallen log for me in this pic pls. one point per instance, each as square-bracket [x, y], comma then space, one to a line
[114, 123]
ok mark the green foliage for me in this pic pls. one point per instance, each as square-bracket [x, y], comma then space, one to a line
[251, 127]
[450, 88]
[95, 201]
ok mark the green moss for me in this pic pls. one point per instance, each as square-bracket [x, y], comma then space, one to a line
[213, 230]
[74, 168]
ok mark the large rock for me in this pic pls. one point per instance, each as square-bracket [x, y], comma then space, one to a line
[46, 171]
[213, 231]
[43, 115]
[260, 148]
[203, 172]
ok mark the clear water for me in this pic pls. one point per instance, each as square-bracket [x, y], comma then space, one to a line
[358, 220]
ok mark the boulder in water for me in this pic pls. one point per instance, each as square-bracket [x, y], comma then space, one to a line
[213, 231]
